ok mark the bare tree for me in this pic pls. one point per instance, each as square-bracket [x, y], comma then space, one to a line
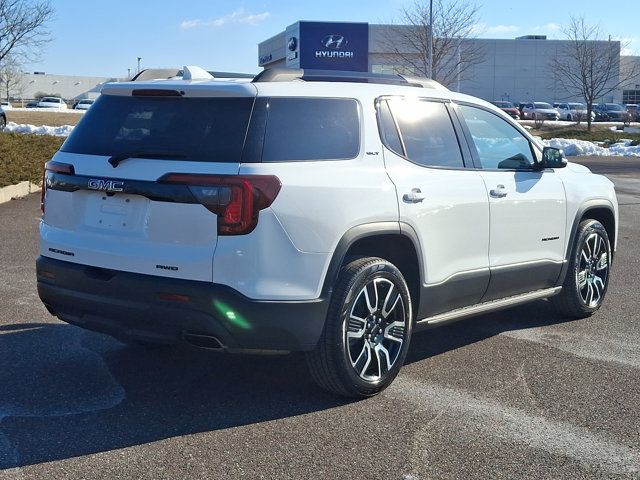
[10, 78]
[23, 27]
[588, 66]
[454, 23]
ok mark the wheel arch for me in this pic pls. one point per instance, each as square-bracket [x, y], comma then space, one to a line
[598, 210]
[385, 240]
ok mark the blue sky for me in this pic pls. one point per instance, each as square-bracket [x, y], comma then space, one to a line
[105, 38]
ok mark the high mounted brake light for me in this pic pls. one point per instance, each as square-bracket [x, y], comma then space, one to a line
[56, 167]
[156, 92]
[235, 199]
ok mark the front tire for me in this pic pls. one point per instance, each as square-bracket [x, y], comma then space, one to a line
[587, 279]
[367, 332]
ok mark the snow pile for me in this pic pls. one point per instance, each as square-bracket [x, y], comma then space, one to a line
[62, 131]
[573, 147]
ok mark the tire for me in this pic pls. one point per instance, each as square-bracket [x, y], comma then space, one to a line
[569, 118]
[350, 358]
[585, 285]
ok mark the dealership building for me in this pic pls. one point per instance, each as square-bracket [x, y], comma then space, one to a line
[510, 69]
[28, 86]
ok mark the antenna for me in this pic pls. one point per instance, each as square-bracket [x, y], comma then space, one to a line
[193, 72]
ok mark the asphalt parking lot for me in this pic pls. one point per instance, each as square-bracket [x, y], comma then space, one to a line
[515, 394]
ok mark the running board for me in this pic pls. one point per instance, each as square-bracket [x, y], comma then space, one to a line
[486, 307]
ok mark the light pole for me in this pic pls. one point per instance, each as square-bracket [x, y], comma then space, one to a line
[139, 58]
[431, 39]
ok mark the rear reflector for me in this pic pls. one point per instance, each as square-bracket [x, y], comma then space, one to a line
[235, 199]
[173, 297]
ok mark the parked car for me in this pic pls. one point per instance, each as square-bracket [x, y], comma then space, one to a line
[32, 104]
[520, 106]
[52, 102]
[540, 110]
[611, 112]
[182, 211]
[633, 111]
[83, 104]
[574, 111]
[3, 119]
[509, 108]
[6, 105]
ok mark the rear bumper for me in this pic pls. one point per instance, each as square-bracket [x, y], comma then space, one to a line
[130, 306]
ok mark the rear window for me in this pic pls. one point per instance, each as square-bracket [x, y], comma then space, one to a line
[300, 129]
[195, 129]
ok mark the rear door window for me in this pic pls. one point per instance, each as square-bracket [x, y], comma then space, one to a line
[302, 129]
[427, 133]
[195, 129]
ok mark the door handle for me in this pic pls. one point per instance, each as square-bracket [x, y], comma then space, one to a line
[415, 196]
[498, 192]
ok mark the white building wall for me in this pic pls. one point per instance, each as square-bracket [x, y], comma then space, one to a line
[630, 70]
[513, 69]
[67, 86]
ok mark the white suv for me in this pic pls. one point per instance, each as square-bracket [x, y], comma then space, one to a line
[326, 212]
[55, 103]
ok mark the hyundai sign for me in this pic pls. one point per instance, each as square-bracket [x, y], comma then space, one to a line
[334, 46]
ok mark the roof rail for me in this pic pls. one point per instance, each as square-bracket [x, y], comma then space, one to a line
[179, 73]
[311, 75]
[156, 74]
[424, 82]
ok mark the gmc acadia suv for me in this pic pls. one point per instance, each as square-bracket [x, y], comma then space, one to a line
[327, 212]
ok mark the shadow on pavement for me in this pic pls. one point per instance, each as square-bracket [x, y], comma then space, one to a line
[455, 335]
[65, 392]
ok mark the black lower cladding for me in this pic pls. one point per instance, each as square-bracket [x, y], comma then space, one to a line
[155, 309]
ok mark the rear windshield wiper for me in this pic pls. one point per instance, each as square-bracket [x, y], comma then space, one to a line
[116, 159]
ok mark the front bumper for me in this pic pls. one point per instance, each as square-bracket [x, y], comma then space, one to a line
[141, 307]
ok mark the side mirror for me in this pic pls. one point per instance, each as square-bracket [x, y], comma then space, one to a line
[553, 158]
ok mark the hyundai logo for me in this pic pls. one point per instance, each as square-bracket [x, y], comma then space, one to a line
[292, 44]
[334, 42]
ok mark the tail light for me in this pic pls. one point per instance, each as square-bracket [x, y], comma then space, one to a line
[235, 199]
[56, 167]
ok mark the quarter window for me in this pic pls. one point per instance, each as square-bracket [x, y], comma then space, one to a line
[427, 133]
[301, 129]
[388, 129]
[499, 144]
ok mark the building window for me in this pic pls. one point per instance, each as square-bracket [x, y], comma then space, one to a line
[631, 96]
[392, 69]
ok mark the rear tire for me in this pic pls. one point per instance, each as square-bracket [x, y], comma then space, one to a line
[367, 332]
[585, 285]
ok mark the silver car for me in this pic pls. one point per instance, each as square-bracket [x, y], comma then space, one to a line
[540, 111]
[574, 111]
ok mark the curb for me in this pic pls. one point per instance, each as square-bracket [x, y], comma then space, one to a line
[19, 190]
